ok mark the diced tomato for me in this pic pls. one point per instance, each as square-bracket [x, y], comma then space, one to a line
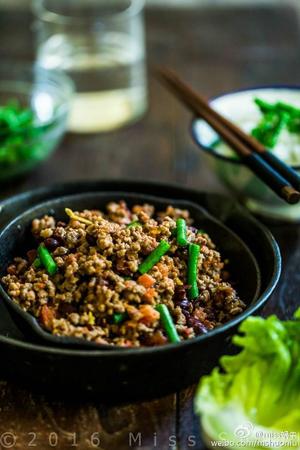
[46, 316]
[187, 331]
[149, 295]
[149, 314]
[146, 280]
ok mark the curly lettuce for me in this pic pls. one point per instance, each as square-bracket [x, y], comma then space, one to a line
[253, 400]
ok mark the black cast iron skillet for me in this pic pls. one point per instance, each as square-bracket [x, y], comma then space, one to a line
[16, 240]
[139, 373]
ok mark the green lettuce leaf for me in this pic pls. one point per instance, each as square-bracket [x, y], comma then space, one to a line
[253, 400]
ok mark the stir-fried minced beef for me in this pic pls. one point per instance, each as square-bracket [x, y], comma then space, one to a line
[97, 291]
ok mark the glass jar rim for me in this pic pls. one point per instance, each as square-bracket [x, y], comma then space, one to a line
[134, 7]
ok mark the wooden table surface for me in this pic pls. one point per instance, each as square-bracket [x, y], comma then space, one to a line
[215, 50]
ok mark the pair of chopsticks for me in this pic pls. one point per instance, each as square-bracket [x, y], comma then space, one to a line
[275, 173]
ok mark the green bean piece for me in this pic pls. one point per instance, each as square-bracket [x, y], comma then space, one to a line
[167, 323]
[47, 260]
[268, 130]
[264, 106]
[279, 109]
[134, 223]
[290, 109]
[118, 318]
[294, 124]
[37, 263]
[181, 232]
[192, 272]
[154, 257]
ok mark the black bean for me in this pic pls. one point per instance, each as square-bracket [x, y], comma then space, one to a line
[180, 294]
[187, 315]
[186, 305]
[51, 243]
[59, 238]
[199, 328]
[191, 321]
[92, 240]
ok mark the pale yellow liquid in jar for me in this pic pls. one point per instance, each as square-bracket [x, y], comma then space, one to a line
[105, 111]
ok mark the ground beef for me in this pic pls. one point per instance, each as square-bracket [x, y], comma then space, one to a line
[98, 294]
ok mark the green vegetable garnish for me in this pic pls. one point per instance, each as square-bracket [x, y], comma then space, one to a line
[268, 130]
[119, 318]
[181, 232]
[256, 393]
[264, 106]
[167, 322]
[276, 116]
[290, 109]
[192, 272]
[277, 107]
[294, 117]
[134, 223]
[154, 257]
[47, 260]
[17, 134]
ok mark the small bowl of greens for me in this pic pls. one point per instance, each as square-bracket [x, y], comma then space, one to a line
[34, 105]
[272, 115]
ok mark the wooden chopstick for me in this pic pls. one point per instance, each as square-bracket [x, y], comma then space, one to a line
[271, 170]
[280, 166]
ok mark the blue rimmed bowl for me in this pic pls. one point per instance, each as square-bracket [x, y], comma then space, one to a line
[239, 107]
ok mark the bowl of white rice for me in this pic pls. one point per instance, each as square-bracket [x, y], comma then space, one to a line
[242, 109]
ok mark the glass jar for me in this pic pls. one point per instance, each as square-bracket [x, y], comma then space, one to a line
[100, 44]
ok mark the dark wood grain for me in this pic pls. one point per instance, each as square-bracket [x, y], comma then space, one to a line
[36, 419]
[215, 50]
